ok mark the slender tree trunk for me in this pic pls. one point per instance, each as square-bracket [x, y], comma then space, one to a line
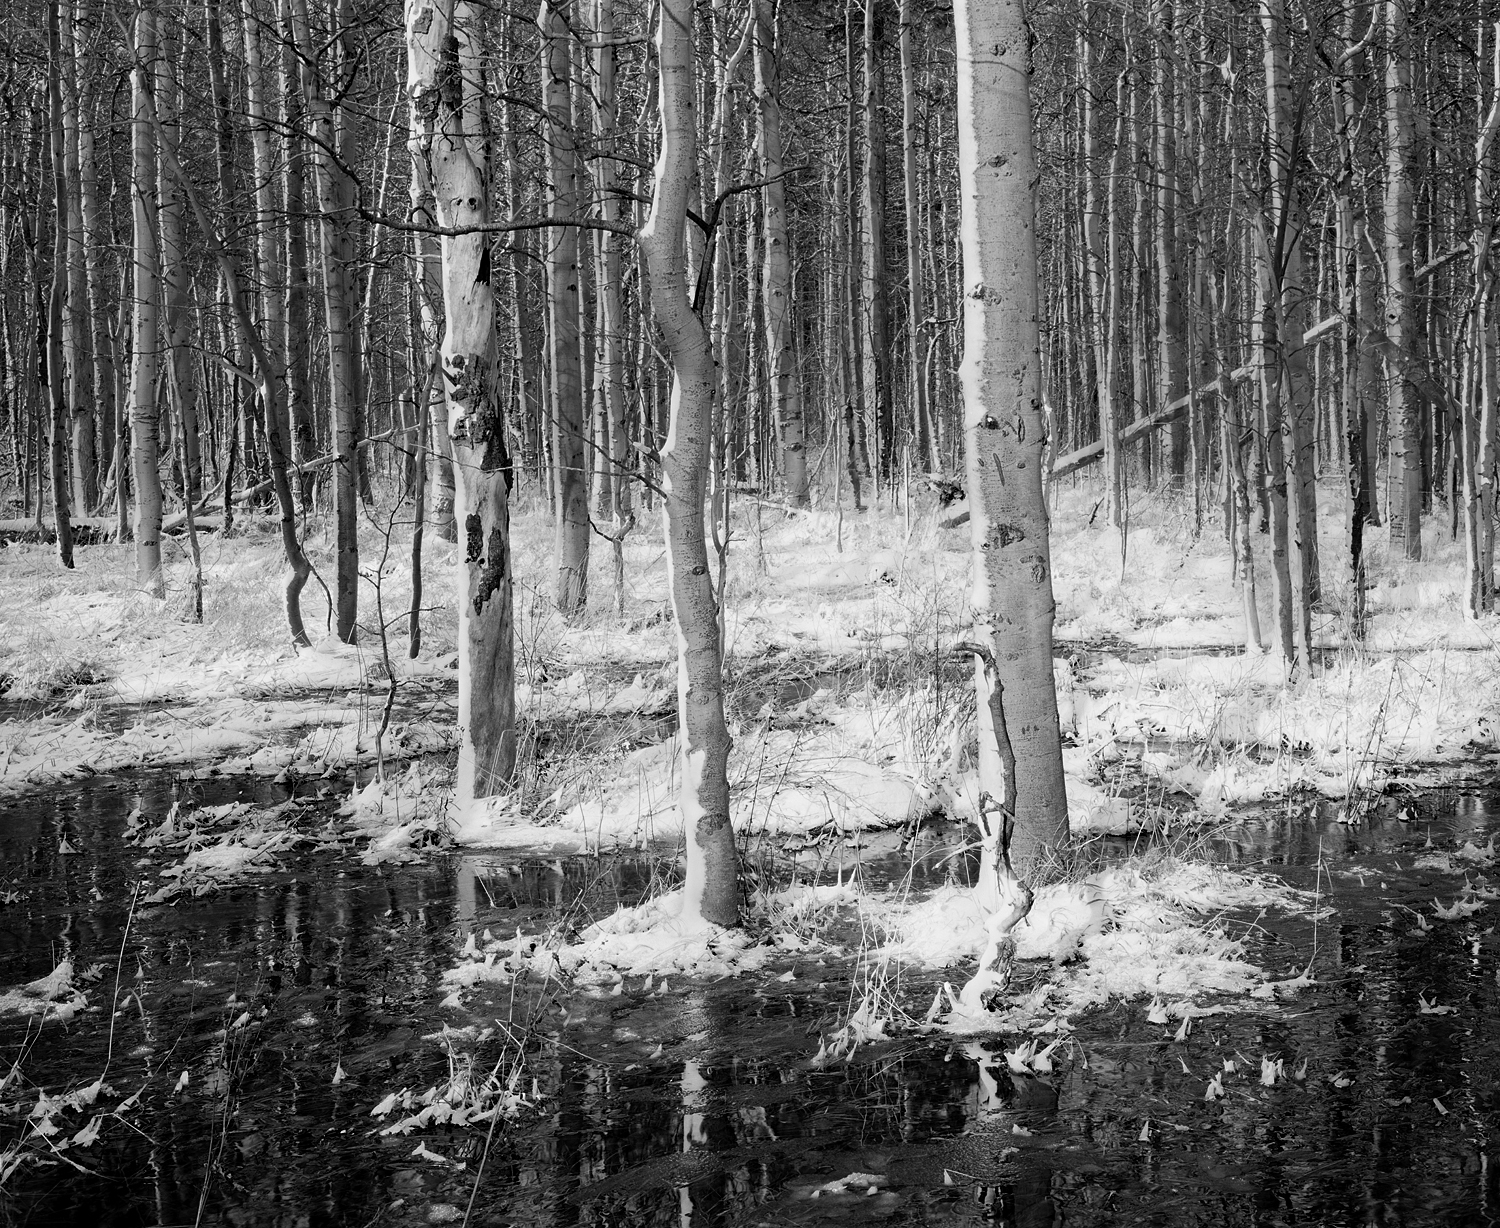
[76, 338]
[1403, 404]
[296, 341]
[335, 202]
[177, 330]
[1171, 371]
[57, 308]
[568, 422]
[145, 326]
[1104, 285]
[96, 242]
[710, 892]
[450, 150]
[876, 315]
[276, 420]
[916, 308]
[776, 282]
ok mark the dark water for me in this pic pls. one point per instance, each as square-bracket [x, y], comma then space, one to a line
[700, 1106]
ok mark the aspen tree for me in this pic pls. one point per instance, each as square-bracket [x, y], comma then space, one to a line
[710, 889]
[335, 203]
[610, 362]
[1171, 366]
[876, 311]
[57, 311]
[295, 343]
[1477, 427]
[1103, 280]
[1020, 755]
[450, 148]
[776, 281]
[145, 323]
[1404, 474]
[76, 338]
[916, 308]
[568, 422]
[96, 242]
[182, 384]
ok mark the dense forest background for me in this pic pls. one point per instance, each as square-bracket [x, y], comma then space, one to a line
[1265, 251]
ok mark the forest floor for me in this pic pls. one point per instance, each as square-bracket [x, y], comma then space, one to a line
[172, 787]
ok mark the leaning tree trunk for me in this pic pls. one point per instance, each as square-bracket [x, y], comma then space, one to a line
[145, 326]
[1020, 762]
[449, 150]
[710, 891]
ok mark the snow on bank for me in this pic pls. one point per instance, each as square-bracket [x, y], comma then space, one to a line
[1125, 932]
[1330, 733]
[226, 735]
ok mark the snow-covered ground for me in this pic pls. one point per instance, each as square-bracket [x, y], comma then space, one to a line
[846, 713]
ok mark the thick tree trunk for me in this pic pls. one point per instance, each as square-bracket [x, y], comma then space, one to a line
[449, 151]
[710, 891]
[1012, 601]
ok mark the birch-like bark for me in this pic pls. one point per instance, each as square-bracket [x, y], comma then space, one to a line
[876, 309]
[145, 324]
[609, 365]
[1477, 426]
[710, 890]
[1171, 368]
[59, 333]
[96, 242]
[1020, 755]
[1403, 410]
[335, 202]
[275, 417]
[182, 383]
[75, 308]
[1103, 281]
[776, 280]
[295, 343]
[568, 422]
[916, 307]
[450, 152]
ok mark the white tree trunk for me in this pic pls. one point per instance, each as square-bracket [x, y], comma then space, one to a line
[145, 324]
[449, 151]
[1012, 602]
[710, 892]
